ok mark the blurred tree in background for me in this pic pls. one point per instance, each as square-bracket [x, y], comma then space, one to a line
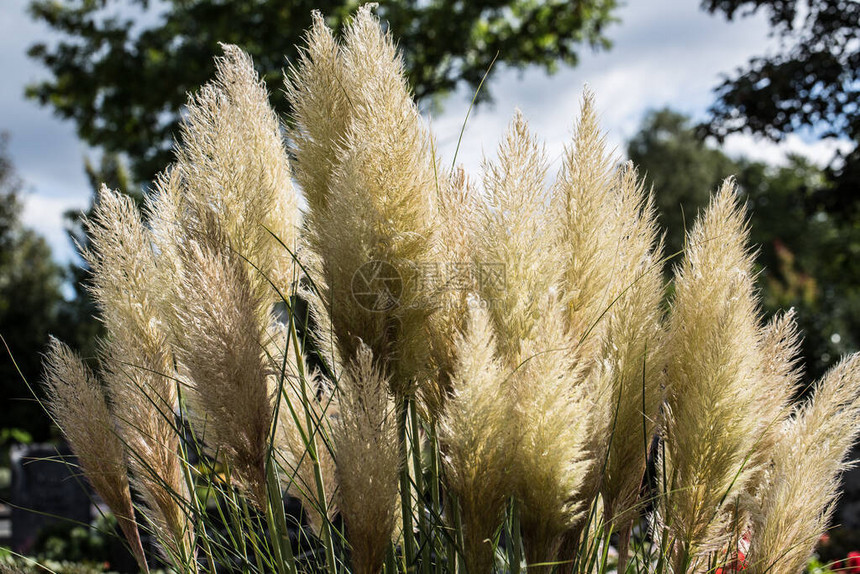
[812, 82]
[807, 260]
[30, 303]
[32, 306]
[123, 68]
[682, 169]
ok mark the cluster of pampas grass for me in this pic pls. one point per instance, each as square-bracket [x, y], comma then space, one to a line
[499, 407]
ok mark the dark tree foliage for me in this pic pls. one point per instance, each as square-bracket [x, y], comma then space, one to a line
[123, 68]
[813, 81]
[30, 300]
[809, 259]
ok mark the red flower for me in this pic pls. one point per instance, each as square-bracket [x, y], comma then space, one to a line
[739, 565]
[854, 562]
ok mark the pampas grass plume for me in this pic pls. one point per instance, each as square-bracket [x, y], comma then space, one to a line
[235, 177]
[380, 198]
[713, 423]
[546, 374]
[218, 340]
[545, 378]
[633, 352]
[368, 461]
[803, 478]
[77, 403]
[477, 439]
[137, 364]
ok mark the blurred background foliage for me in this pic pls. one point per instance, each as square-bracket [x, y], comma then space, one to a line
[104, 65]
[811, 84]
[30, 302]
[806, 259]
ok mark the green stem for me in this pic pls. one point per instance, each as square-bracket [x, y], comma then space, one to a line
[200, 523]
[418, 471]
[681, 559]
[405, 487]
[390, 561]
[454, 510]
[312, 428]
[279, 533]
[605, 557]
[516, 539]
[234, 505]
[246, 514]
[435, 493]
[569, 550]
[624, 547]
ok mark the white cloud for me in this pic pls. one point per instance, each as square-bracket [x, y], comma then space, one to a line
[820, 152]
[45, 150]
[45, 215]
[669, 53]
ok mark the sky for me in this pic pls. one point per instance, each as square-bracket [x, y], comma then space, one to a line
[665, 53]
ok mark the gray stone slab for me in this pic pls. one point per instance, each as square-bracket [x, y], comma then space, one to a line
[47, 488]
